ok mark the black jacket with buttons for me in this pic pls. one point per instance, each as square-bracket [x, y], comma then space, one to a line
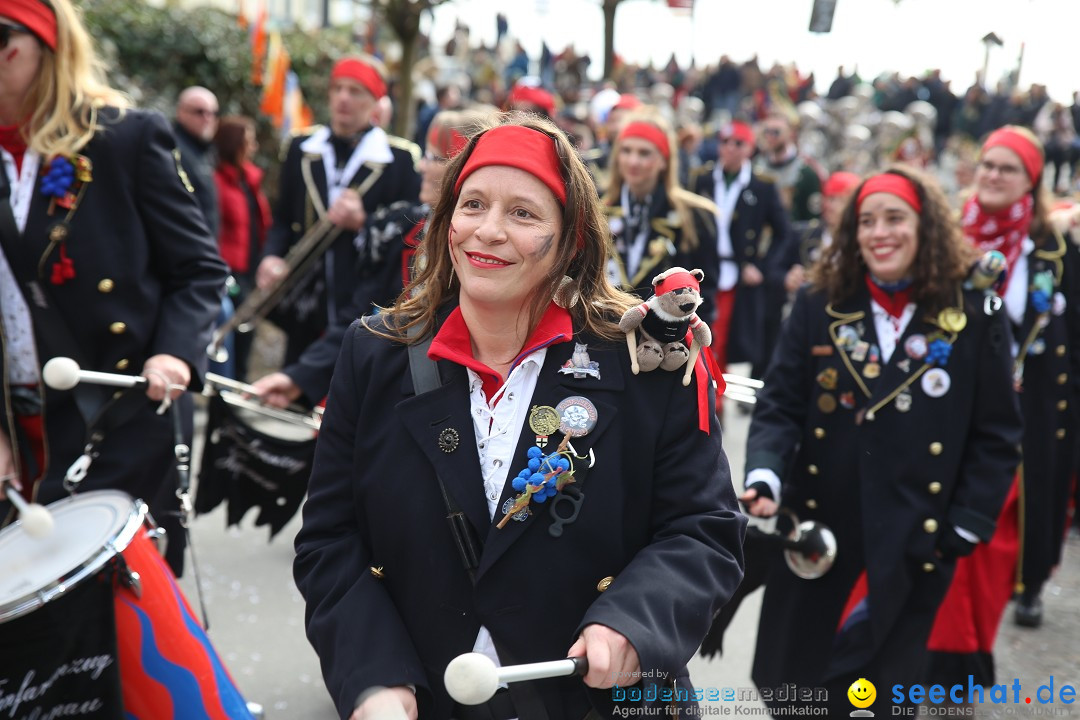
[147, 280]
[759, 230]
[883, 458]
[658, 516]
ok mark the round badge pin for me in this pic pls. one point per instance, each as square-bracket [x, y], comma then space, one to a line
[903, 402]
[936, 382]
[848, 336]
[1058, 304]
[826, 403]
[543, 419]
[448, 440]
[952, 320]
[916, 347]
[577, 416]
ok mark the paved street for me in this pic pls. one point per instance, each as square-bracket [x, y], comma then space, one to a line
[256, 617]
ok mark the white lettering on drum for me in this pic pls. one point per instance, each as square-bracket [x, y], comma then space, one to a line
[28, 692]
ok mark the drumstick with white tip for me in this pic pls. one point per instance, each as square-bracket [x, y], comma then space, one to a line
[473, 678]
[36, 519]
[63, 373]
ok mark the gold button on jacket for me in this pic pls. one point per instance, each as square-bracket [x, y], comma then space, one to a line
[936, 448]
[106, 285]
[930, 525]
[934, 488]
[117, 328]
[605, 583]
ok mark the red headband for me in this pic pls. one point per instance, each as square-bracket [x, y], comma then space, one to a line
[677, 280]
[893, 184]
[839, 183]
[361, 72]
[739, 131]
[36, 16]
[517, 147]
[649, 132]
[446, 140]
[1031, 155]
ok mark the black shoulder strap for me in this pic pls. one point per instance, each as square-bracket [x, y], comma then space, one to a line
[425, 377]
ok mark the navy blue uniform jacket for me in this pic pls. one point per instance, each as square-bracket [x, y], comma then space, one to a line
[659, 517]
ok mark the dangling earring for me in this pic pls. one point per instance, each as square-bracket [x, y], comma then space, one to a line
[566, 295]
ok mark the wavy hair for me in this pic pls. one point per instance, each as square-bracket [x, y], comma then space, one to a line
[435, 286]
[942, 260]
[70, 87]
[682, 201]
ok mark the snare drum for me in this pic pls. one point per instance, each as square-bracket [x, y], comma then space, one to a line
[92, 622]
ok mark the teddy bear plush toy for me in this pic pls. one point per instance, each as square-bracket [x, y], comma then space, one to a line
[663, 321]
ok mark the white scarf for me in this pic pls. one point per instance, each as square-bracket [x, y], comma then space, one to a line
[726, 198]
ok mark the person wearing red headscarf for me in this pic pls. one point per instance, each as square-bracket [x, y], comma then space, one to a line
[888, 410]
[530, 380]
[104, 257]
[655, 224]
[342, 173]
[1040, 286]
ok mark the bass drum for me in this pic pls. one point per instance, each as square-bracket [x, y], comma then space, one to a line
[93, 624]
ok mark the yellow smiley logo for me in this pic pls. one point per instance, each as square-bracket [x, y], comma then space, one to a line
[862, 693]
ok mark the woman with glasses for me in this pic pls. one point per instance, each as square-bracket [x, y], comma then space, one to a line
[592, 512]
[1008, 213]
[655, 224]
[889, 415]
[105, 258]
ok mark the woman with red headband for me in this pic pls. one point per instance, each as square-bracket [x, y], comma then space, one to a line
[590, 510]
[1008, 213]
[655, 224]
[104, 257]
[888, 410]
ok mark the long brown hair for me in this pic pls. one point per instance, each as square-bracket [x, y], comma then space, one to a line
[70, 87]
[682, 201]
[231, 139]
[435, 286]
[941, 262]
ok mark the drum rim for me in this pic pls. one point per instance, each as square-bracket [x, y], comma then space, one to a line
[88, 568]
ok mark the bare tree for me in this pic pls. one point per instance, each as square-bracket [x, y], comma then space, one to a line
[403, 17]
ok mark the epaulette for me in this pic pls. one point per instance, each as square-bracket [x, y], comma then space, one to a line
[700, 170]
[765, 176]
[406, 145]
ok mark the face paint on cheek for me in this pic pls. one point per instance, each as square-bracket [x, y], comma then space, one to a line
[545, 246]
[11, 55]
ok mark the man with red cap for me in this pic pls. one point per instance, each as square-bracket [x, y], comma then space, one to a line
[809, 239]
[750, 224]
[342, 173]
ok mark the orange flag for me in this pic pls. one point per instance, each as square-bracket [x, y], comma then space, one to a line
[258, 47]
[277, 63]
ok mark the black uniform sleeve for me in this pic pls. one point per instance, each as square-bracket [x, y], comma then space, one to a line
[289, 183]
[992, 451]
[663, 602]
[776, 217]
[333, 555]
[780, 411]
[184, 254]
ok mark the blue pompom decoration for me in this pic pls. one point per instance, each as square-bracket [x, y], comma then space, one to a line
[534, 464]
[564, 464]
[535, 452]
[540, 496]
[937, 353]
[519, 484]
[58, 180]
[1040, 300]
[536, 479]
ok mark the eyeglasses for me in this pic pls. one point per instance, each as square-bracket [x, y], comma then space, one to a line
[6, 31]
[771, 132]
[202, 112]
[1006, 171]
[735, 141]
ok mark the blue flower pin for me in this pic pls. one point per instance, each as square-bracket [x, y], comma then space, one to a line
[58, 180]
[937, 353]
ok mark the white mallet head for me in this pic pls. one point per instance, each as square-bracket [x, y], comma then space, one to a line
[471, 679]
[36, 520]
[61, 373]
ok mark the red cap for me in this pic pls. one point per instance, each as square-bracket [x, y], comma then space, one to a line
[517, 147]
[447, 141]
[36, 16]
[627, 101]
[539, 97]
[1021, 142]
[739, 131]
[651, 133]
[893, 184]
[839, 183]
[363, 73]
[677, 280]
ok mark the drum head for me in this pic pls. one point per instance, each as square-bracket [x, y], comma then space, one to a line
[89, 529]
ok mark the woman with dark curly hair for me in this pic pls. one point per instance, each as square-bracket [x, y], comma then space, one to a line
[622, 559]
[888, 411]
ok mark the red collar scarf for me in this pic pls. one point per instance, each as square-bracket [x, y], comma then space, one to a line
[893, 302]
[1003, 230]
[11, 139]
[454, 343]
